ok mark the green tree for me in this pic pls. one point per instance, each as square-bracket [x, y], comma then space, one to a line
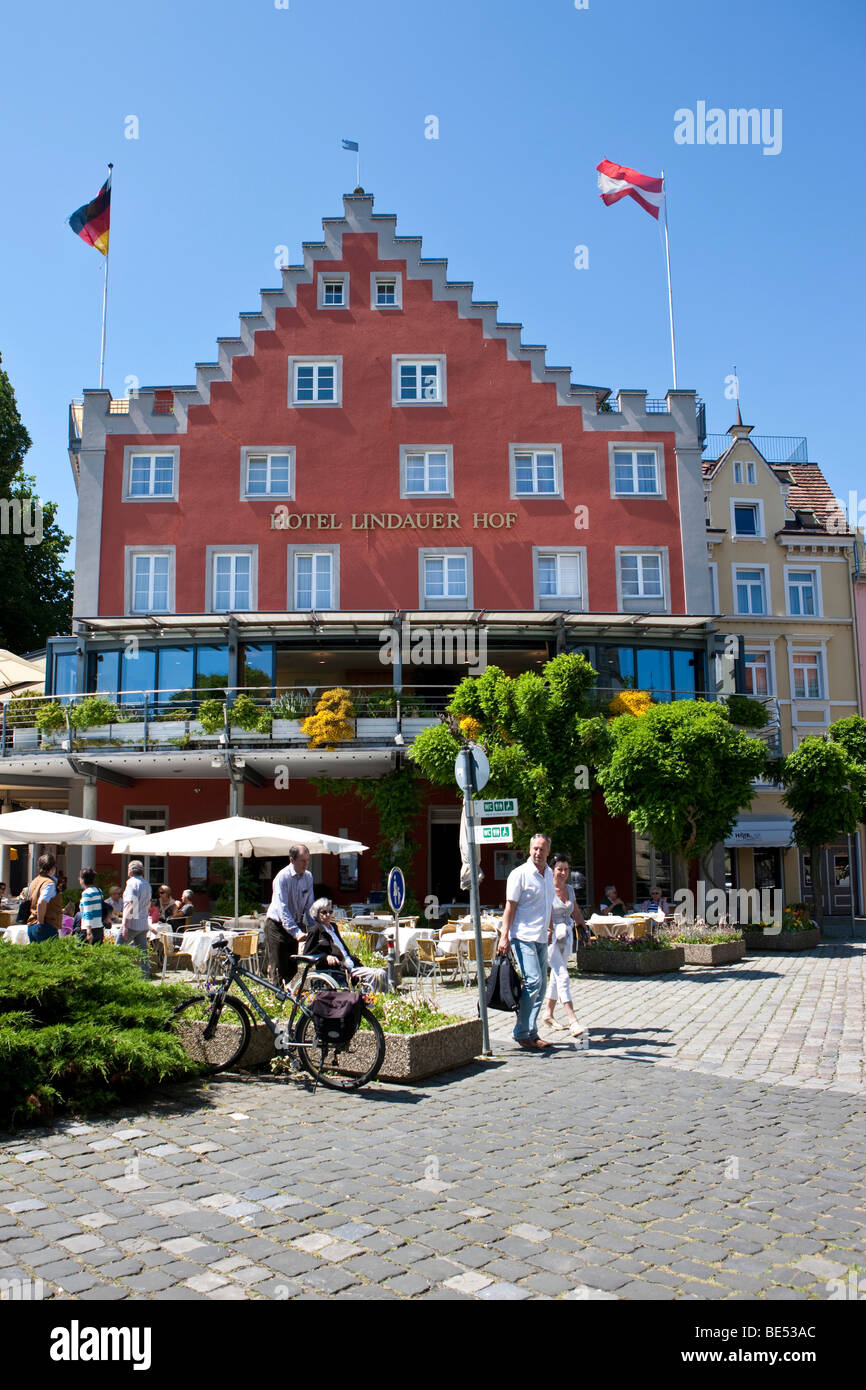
[825, 789]
[36, 593]
[529, 727]
[680, 773]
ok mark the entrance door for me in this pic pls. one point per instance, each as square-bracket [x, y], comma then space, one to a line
[445, 862]
[837, 879]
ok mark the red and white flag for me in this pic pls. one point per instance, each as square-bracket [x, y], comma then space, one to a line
[615, 181]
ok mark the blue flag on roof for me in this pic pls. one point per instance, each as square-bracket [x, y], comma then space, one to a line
[350, 145]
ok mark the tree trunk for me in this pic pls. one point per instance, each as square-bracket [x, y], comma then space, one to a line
[816, 855]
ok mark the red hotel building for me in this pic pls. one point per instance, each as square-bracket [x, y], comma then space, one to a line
[373, 443]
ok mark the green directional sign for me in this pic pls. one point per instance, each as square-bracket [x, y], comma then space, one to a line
[505, 806]
[501, 834]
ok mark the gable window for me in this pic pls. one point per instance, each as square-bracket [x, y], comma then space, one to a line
[386, 291]
[636, 473]
[803, 593]
[151, 476]
[313, 581]
[418, 380]
[426, 472]
[314, 381]
[750, 591]
[808, 680]
[747, 518]
[149, 581]
[268, 474]
[536, 470]
[334, 291]
[744, 472]
[232, 582]
[641, 576]
[758, 674]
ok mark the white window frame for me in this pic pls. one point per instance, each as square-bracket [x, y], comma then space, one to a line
[402, 359]
[638, 446]
[815, 571]
[559, 602]
[327, 278]
[764, 571]
[820, 662]
[375, 278]
[131, 554]
[444, 604]
[755, 504]
[651, 603]
[292, 554]
[750, 475]
[172, 451]
[768, 653]
[269, 451]
[534, 449]
[715, 602]
[446, 449]
[320, 361]
[211, 553]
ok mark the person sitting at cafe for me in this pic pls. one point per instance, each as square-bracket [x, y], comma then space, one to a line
[186, 907]
[167, 905]
[612, 904]
[323, 939]
[115, 898]
[656, 902]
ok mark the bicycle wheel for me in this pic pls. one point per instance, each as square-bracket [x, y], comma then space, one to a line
[228, 1043]
[354, 1065]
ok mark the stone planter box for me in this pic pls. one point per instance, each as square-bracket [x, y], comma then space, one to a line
[408, 1056]
[722, 953]
[783, 940]
[591, 961]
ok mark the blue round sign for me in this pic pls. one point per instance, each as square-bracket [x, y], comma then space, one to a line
[396, 890]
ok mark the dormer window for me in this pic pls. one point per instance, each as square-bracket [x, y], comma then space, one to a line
[744, 472]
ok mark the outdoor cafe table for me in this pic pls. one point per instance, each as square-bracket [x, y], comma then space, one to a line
[199, 944]
[16, 934]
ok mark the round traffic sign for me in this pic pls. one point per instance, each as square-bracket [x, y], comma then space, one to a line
[480, 765]
[396, 890]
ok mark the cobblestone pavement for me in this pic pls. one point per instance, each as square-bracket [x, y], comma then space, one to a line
[633, 1171]
[791, 1020]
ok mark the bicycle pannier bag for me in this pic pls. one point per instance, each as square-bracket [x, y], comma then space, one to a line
[336, 1016]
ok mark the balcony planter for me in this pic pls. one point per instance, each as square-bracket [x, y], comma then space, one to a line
[607, 961]
[415, 724]
[26, 739]
[408, 1056]
[286, 730]
[805, 940]
[59, 741]
[163, 730]
[721, 953]
[376, 729]
[129, 733]
[239, 735]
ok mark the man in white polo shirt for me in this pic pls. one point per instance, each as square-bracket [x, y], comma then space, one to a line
[527, 928]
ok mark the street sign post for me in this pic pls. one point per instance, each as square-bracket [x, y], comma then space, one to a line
[488, 834]
[472, 771]
[396, 894]
[501, 806]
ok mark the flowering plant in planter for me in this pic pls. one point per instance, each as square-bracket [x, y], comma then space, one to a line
[629, 943]
[699, 934]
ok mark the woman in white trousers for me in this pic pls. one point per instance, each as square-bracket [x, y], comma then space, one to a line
[566, 916]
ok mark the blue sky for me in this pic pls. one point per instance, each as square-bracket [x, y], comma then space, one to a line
[241, 108]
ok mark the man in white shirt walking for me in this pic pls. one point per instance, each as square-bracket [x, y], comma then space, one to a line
[136, 912]
[527, 928]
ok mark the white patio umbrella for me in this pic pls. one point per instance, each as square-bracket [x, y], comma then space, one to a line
[51, 828]
[237, 836]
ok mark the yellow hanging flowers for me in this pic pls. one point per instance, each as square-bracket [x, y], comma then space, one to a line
[470, 728]
[634, 702]
[332, 722]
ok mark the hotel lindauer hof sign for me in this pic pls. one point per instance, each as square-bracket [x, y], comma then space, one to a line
[284, 520]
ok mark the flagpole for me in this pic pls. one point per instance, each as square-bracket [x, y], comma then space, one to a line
[670, 295]
[104, 305]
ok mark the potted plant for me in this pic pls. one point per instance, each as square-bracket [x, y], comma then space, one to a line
[287, 712]
[51, 724]
[170, 724]
[648, 955]
[247, 719]
[92, 718]
[798, 932]
[379, 719]
[705, 945]
[332, 722]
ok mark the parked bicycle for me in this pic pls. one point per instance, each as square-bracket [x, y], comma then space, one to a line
[216, 1027]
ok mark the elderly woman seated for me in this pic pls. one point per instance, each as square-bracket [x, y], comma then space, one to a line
[323, 939]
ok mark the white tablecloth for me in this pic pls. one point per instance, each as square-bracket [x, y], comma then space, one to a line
[17, 935]
[199, 944]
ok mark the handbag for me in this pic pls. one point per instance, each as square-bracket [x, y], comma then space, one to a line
[504, 985]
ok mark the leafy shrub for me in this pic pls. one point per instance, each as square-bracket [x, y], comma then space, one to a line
[747, 713]
[245, 714]
[332, 722]
[93, 711]
[21, 712]
[51, 718]
[80, 1026]
[634, 702]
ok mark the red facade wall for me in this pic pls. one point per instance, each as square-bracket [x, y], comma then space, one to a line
[347, 462]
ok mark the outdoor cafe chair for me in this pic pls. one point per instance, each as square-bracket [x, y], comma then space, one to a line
[431, 965]
[170, 952]
[488, 949]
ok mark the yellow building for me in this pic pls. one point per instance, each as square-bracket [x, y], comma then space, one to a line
[781, 559]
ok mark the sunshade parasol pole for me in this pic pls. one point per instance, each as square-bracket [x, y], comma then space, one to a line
[237, 879]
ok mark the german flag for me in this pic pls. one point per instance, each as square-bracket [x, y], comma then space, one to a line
[91, 222]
